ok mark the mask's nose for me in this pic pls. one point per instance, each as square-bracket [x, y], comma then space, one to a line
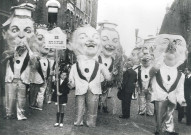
[171, 47]
[21, 35]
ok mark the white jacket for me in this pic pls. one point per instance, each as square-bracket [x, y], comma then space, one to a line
[159, 94]
[82, 82]
[23, 67]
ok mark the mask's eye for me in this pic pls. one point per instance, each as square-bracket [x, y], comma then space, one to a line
[28, 30]
[15, 29]
[82, 36]
[179, 42]
[115, 40]
[105, 38]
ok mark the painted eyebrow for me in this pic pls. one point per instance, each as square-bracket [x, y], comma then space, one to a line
[14, 26]
[28, 28]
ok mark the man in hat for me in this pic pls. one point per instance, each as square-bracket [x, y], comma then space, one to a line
[17, 32]
[128, 87]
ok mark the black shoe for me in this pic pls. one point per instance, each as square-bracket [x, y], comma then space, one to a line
[188, 124]
[142, 114]
[123, 117]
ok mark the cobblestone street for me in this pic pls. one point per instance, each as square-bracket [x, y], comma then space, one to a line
[41, 123]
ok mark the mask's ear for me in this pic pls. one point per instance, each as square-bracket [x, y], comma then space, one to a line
[4, 33]
[69, 46]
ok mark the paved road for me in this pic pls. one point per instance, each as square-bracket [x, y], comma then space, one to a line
[41, 123]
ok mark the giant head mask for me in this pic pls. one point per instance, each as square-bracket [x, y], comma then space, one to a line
[170, 50]
[38, 44]
[109, 38]
[86, 41]
[19, 28]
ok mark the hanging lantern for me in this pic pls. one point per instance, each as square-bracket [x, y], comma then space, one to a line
[53, 6]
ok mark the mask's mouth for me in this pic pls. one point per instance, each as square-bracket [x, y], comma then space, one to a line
[20, 49]
[47, 49]
[90, 45]
[146, 60]
[110, 48]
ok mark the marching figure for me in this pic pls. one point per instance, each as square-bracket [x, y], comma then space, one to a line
[40, 69]
[85, 75]
[144, 96]
[18, 30]
[109, 43]
[168, 83]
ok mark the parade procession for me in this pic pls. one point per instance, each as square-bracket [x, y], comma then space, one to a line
[65, 72]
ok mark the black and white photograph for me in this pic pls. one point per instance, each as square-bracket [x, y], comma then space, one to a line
[95, 67]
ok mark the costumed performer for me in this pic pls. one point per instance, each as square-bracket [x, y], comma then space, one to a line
[85, 75]
[167, 85]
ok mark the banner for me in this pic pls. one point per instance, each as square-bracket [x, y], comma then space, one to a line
[56, 41]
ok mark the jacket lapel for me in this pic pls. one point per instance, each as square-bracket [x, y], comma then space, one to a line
[96, 67]
[174, 85]
[80, 73]
[25, 63]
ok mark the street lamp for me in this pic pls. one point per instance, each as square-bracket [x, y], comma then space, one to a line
[53, 6]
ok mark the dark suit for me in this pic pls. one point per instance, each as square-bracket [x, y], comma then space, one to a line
[128, 87]
[64, 89]
[187, 95]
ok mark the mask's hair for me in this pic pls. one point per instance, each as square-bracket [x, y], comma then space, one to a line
[5, 28]
[110, 29]
[77, 29]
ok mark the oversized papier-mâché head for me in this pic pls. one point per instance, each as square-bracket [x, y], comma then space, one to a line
[85, 41]
[170, 50]
[19, 28]
[109, 38]
[38, 43]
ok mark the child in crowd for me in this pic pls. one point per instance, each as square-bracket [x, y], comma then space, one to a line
[63, 96]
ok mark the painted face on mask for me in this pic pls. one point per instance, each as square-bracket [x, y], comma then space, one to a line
[40, 40]
[109, 42]
[86, 41]
[19, 33]
[171, 48]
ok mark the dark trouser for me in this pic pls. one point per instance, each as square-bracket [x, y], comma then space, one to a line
[126, 104]
[188, 112]
[180, 112]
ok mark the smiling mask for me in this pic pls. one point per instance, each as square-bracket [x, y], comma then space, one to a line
[86, 41]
